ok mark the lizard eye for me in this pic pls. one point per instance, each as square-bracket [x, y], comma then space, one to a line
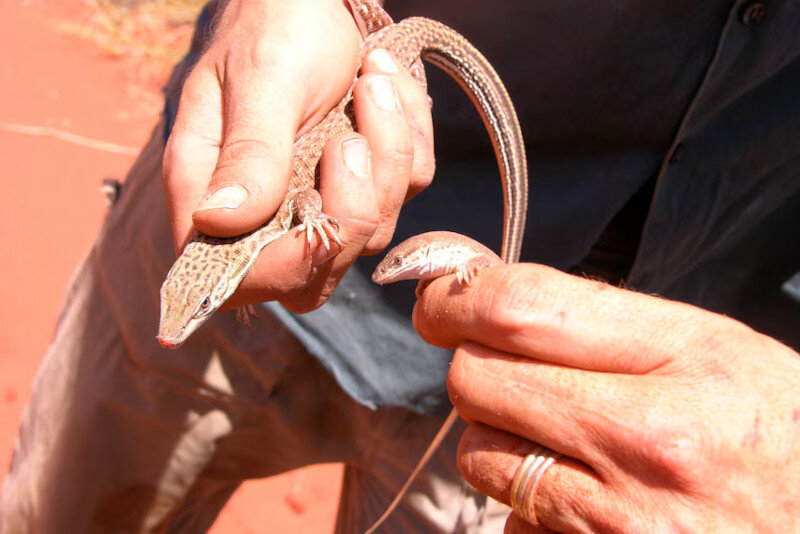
[205, 303]
[397, 262]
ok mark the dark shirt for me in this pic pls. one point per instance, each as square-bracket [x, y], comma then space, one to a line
[663, 144]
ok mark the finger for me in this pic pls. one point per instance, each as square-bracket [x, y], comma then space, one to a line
[416, 106]
[616, 424]
[569, 410]
[569, 496]
[543, 313]
[381, 120]
[192, 150]
[284, 270]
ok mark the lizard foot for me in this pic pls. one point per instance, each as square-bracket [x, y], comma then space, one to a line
[466, 276]
[470, 270]
[325, 226]
[306, 204]
[244, 313]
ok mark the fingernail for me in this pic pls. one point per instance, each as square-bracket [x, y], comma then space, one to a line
[321, 256]
[382, 92]
[383, 61]
[356, 157]
[231, 196]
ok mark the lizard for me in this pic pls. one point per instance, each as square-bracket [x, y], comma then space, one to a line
[428, 256]
[425, 257]
[210, 269]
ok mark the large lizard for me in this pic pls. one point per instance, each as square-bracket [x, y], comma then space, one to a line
[210, 269]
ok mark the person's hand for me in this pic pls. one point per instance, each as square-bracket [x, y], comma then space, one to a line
[669, 418]
[272, 70]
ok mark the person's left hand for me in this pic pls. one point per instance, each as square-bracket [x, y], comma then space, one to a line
[668, 417]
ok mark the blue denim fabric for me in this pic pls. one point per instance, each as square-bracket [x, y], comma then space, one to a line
[611, 95]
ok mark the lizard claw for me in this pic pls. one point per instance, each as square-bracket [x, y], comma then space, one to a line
[244, 313]
[466, 275]
[470, 271]
[323, 225]
[307, 206]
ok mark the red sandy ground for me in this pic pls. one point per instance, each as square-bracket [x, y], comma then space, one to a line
[52, 208]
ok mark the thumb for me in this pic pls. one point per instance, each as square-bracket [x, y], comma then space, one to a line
[254, 164]
[280, 67]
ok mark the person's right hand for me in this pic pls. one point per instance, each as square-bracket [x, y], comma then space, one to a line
[667, 417]
[272, 70]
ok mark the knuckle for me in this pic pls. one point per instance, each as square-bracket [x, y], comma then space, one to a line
[266, 54]
[715, 335]
[359, 229]
[259, 53]
[520, 301]
[177, 154]
[380, 239]
[399, 156]
[180, 145]
[712, 347]
[303, 304]
[674, 455]
[471, 459]
[240, 150]
[464, 458]
[308, 291]
[423, 170]
[310, 298]
[271, 56]
[460, 378]
[266, 60]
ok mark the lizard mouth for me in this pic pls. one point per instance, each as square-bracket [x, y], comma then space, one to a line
[167, 343]
[172, 333]
[168, 338]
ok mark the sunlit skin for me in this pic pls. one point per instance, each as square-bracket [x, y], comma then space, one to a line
[392, 46]
[236, 126]
[669, 417]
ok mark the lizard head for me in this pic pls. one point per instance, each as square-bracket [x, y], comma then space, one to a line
[430, 255]
[196, 286]
[403, 262]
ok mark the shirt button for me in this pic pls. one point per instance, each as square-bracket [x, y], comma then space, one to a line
[753, 13]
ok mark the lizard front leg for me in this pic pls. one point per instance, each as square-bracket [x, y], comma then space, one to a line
[306, 205]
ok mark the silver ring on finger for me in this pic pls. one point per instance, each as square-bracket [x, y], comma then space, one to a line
[526, 480]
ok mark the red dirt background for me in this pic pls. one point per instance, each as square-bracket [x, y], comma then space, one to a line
[52, 208]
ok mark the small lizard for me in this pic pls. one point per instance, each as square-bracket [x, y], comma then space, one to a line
[210, 269]
[426, 257]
